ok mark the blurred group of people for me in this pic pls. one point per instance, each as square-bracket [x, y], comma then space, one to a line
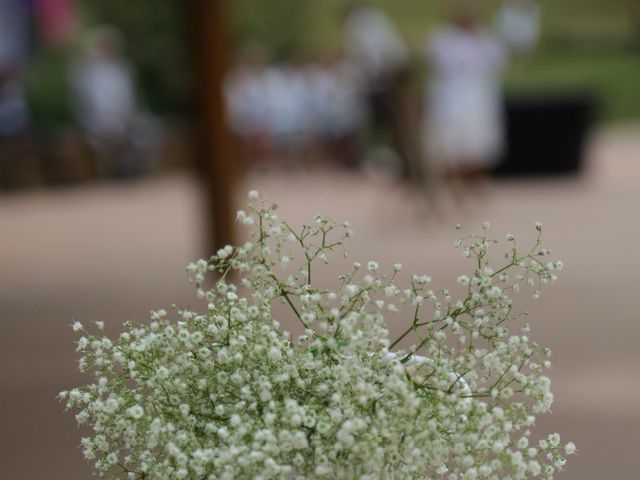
[338, 105]
[119, 138]
[286, 107]
[456, 126]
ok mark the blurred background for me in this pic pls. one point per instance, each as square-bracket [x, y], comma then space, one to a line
[130, 133]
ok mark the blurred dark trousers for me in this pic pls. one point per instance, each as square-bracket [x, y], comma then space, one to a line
[546, 134]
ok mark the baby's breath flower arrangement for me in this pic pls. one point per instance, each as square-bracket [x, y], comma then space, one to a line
[226, 393]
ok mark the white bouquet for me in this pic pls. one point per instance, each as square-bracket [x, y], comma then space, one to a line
[227, 393]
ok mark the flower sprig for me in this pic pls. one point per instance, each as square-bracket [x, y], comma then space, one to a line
[227, 393]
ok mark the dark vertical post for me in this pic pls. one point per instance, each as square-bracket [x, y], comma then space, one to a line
[214, 144]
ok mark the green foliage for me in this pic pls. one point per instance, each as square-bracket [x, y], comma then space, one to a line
[609, 73]
[281, 26]
[47, 90]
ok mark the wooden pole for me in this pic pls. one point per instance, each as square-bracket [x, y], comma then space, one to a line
[214, 144]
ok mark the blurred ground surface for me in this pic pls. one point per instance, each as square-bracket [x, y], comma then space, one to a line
[113, 252]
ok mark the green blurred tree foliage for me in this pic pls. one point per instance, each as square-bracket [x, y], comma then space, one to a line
[47, 89]
[282, 27]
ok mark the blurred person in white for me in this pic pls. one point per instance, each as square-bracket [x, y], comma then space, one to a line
[14, 108]
[374, 44]
[14, 111]
[518, 24]
[104, 99]
[464, 107]
[286, 94]
[335, 106]
[14, 34]
[246, 103]
[344, 112]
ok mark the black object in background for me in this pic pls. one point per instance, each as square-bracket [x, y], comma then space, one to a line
[546, 134]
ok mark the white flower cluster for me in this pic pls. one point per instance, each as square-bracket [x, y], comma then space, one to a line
[227, 394]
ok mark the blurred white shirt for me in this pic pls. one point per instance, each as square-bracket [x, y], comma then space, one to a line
[374, 44]
[104, 96]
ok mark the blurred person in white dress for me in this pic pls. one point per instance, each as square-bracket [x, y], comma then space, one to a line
[464, 107]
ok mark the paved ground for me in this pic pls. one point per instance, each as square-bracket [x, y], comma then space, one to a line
[113, 252]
